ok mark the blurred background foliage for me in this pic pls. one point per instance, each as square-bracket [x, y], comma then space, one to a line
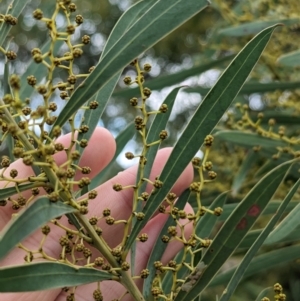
[260, 131]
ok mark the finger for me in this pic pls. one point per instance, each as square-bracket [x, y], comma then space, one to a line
[41, 296]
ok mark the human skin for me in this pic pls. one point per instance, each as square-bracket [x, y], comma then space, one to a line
[97, 155]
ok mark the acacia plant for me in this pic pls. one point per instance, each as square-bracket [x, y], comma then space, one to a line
[59, 230]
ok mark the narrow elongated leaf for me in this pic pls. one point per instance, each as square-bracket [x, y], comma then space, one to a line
[254, 87]
[266, 167]
[47, 275]
[162, 18]
[283, 117]
[264, 293]
[287, 225]
[172, 79]
[294, 284]
[35, 216]
[271, 208]
[238, 274]
[242, 173]
[249, 139]
[9, 191]
[130, 16]
[254, 27]
[291, 59]
[235, 228]
[91, 117]
[251, 237]
[74, 221]
[160, 246]
[16, 7]
[204, 120]
[262, 263]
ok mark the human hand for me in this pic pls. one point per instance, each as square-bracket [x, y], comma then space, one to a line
[97, 155]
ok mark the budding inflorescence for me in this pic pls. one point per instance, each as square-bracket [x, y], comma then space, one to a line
[34, 134]
[29, 146]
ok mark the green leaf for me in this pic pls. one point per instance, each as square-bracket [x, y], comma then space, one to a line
[16, 7]
[91, 117]
[47, 275]
[287, 225]
[270, 164]
[35, 216]
[251, 236]
[291, 59]
[160, 247]
[74, 221]
[239, 272]
[121, 141]
[6, 192]
[283, 117]
[158, 21]
[203, 122]
[267, 166]
[129, 17]
[254, 27]
[249, 139]
[294, 285]
[236, 227]
[254, 87]
[271, 208]
[262, 263]
[264, 293]
[84, 190]
[240, 176]
[172, 79]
